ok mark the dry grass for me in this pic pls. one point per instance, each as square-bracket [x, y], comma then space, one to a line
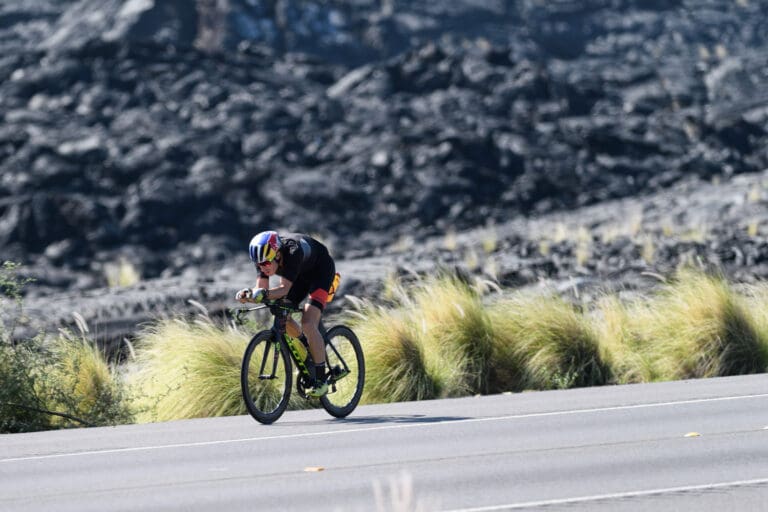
[621, 346]
[552, 342]
[81, 383]
[698, 326]
[396, 369]
[441, 335]
[434, 341]
[188, 370]
[755, 299]
[457, 334]
[121, 274]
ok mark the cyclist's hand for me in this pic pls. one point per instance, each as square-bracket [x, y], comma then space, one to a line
[244, 295]
[258, 295]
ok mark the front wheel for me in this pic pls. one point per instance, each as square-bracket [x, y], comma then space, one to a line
[347, 371]
[265, 377]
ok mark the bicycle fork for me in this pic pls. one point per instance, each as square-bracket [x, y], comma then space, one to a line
[275, 346]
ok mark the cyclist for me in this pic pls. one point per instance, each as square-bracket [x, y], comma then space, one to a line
[305, 267]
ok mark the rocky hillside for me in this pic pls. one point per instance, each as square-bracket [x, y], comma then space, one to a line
[167, 133]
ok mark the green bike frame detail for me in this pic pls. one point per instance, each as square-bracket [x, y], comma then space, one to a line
[298, 358]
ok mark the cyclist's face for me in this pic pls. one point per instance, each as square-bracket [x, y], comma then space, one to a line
[268, 268]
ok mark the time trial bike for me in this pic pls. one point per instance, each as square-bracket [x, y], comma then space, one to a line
[267, 373]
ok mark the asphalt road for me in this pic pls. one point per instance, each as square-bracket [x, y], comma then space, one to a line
[693, 445]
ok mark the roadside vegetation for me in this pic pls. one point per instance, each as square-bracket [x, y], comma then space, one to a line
[54, 381]
[187, 370]
[431, 337]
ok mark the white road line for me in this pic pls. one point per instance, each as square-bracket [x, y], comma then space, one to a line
[383, 427]
[618, 495]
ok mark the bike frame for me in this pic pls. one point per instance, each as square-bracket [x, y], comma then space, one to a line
[281, 312]
[284, 349]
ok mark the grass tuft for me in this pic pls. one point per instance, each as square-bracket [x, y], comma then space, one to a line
[395, 363]
[61, 383]
[553, 343]
[621, 346]
[188, 370]
[434, 341]
[457, 334]
[700, 327]
[82, 383]
[121, 274]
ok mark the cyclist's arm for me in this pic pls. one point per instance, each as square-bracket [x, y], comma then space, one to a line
[279, 291]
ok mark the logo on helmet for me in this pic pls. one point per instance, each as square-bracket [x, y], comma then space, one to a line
[273, 242]
[264, 246]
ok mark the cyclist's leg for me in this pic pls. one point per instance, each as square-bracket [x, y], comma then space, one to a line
[299, 290]
[310, 322]
[320, 283]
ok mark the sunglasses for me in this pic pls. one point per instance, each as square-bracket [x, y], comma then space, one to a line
[263, 264]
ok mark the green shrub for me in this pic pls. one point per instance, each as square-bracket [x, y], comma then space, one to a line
[433, 341]
[21, 409]
[551, 341]
[699, 327]
[622, 348]
[55, 384]
[507, 371]
[187, 370]
[51, 384]
[457, 332]
[756, 302]
[396, 369]
[11, 304]
[121, 274]
[80, 382]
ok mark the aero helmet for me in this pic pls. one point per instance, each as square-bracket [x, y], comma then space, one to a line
[264, 246]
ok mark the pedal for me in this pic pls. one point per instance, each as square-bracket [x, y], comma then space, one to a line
[266, 377]
[338, 372]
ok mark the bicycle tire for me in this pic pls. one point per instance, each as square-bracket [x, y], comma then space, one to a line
[265, 383]
[343, 350]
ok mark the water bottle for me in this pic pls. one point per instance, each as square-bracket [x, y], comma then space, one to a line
[299, 348]
[305, 344]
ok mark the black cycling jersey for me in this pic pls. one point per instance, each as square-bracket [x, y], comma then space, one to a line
[306, 263]
[299, 255]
